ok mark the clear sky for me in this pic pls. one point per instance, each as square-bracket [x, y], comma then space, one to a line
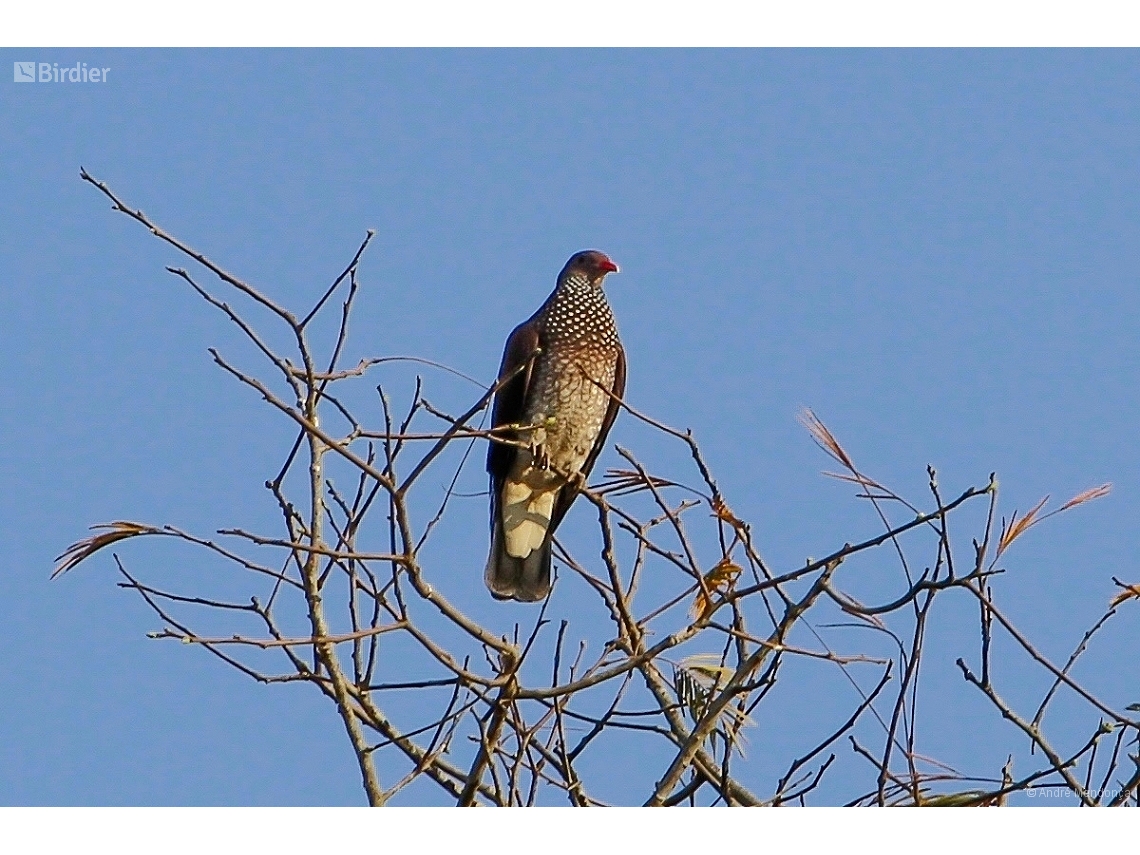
[936, 251]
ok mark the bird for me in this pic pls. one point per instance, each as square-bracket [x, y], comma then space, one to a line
[559, 388]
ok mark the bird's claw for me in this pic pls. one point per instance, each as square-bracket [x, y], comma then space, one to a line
[541, 458]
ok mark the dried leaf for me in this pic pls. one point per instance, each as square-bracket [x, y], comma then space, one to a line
[110, 533]
[719, 580]
[1087, 496]
[1129, 592]
[723, 512]
[824, 438]
[1018, 527]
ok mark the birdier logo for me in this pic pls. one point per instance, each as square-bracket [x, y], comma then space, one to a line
[52, 72]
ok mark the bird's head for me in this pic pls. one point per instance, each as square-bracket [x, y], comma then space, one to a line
[588, 265]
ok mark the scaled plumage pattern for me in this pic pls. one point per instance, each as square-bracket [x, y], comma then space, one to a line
[562, 375]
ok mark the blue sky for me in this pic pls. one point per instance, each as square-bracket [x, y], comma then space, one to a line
[936, 251]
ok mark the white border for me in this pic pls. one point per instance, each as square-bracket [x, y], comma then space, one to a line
[601, 23]
[173, 831]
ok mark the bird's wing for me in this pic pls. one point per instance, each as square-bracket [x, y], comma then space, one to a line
[510, 400]
[567, 494]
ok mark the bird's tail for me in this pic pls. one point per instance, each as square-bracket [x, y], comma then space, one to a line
[524, 579]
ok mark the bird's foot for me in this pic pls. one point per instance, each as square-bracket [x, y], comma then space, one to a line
[541, 458]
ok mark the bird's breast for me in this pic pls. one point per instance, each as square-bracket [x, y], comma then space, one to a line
[569, 402]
